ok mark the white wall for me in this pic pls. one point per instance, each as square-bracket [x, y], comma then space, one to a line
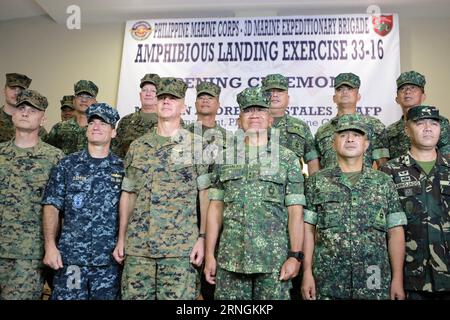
[55, 57]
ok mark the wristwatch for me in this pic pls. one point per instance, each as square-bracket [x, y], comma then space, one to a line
[296, 254]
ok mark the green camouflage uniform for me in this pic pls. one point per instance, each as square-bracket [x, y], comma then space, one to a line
[134, 125]
[68, 135]
[294, 133]
[350, 257]
[162, 229]
[23, 176]
[399, 143]
[426, 201]
[256, 193]
[351, 219]
[131, 127]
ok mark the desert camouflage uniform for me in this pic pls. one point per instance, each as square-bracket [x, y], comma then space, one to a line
[162, 229]
[68, 136]
[351, 258]
[23, 176]
[399, 143]
[377, 138]
[87, 190]
[426, 200]
[131, 127]
[7, 130]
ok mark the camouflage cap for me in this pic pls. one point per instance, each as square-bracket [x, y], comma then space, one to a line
[104, 111]
[208, 88]
[33, 98]
[351, 122]
[349, 79]
[250, 97]
[275, 81]
[152, 78]
[172, 86]
[17, 80]
[67, 101]
[86, 86]
[422, 112]
[411, 77]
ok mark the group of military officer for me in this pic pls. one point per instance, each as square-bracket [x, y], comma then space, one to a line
[190, 198]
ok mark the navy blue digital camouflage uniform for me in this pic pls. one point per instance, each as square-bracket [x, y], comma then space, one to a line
[87, 190]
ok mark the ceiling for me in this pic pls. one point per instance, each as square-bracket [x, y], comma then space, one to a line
[104, 11]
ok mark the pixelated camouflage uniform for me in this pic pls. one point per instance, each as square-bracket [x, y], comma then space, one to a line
[163, 224]
[68, 136]
[377, 137]
[296, 136]
[23, 176]
[426, 201]
[351, 224]
[87, 190]
[7, 129]
[399, 143]
[131, 127]
[254, 237]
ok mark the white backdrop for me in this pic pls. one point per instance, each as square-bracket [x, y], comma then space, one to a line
[238, 52]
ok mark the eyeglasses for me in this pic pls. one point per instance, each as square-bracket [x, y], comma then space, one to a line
[84, 96]
[411, 88]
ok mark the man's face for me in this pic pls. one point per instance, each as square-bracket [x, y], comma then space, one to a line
[66, 113]
[11, 94]
[279, 100]
[410, 95]
[206, 104]
[424, 133]
[350, 144]
[28, 118]
[148, 96]
[169, 107]
[255, 119]
[345, 95]
[82, 101]
[99, 132]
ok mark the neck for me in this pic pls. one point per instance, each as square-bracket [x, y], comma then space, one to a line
[98, 151]
[26, 139]
[429, 154]
[346, 109]
[9, 109]
[81, 119]
[350, 164]
[168, 128]
[207, 120]
[257, 139]
[148, 108]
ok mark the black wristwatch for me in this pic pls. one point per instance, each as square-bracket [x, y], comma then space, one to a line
[296, 254]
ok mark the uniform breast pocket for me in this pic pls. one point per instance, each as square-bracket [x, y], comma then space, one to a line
[184, 173]
[330, 207]
[325, 144]
[445, 193]
[296, 143]
[272, 188]
[232, 180]
[411, 204]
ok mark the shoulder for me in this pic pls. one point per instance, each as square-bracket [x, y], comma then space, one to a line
[50, 150]
[373, 121]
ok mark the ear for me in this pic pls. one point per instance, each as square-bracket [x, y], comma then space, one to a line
[423, 97]
[270, 119]
[113, 133]
[366, 144]
[359, 97]
[334, 98]
[43, 121]
[396, 99]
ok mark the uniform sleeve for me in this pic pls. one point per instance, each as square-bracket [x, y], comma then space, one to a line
[310, 213]
[294, 186]
[310, 146]
[51, 136]
[379, 142]
[55, 191]
[444, 138]
[395, 216]
[216, 191]
[203, 176]
[131, 173]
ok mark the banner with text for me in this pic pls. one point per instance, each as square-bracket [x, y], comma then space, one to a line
[236, 53]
